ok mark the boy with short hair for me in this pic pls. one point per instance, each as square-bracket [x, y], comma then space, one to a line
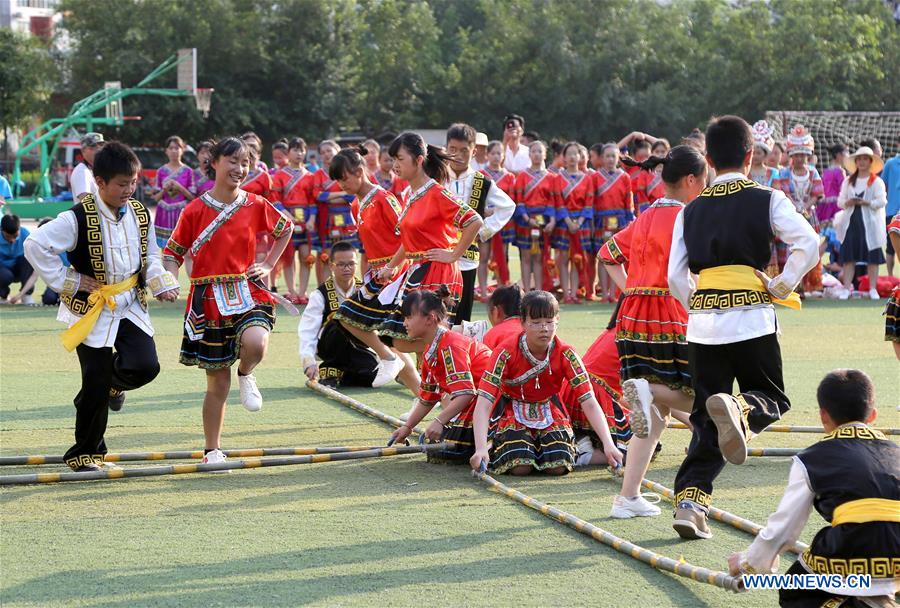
[113, 255]
[852, 478]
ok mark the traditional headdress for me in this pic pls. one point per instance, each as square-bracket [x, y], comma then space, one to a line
[799, 141]
[762, 135]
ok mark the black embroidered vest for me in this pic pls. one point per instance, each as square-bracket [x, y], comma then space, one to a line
[332, 302]
[481, 185]
[853, 463]
[87, 257]
[729, 223]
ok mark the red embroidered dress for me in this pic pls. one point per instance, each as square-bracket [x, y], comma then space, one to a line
[536, 194]
[506, 329]
[648, 186]
[602, 363]
[529, 425]
[222, 302]
[453, 365]
[892, 311]
[613, 205]
[335, 220]
[652, 324]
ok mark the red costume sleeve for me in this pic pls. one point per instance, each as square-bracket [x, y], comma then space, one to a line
[491, 382]
[618, 248]
[182, 237]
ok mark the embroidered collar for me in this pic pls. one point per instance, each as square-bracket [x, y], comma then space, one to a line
[537, 365]
[435, 344]
[208, 199]
[367, 199]
[533, 173]
[667, 202]
[494, 175]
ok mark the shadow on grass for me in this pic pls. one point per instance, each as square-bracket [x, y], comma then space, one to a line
[288, 578]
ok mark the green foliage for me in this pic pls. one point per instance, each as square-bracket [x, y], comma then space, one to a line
[26, 78]
[585, 70]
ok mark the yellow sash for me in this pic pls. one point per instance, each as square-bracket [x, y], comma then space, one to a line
[738, 277]
[105, 296]
[866, 510]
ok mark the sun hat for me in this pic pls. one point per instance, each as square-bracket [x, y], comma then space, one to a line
[877, 163]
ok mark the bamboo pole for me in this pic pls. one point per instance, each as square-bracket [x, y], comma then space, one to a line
[655, 560]
[185, 455]
[790, 428]
[181, 469]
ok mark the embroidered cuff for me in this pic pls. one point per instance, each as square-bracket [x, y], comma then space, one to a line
[162, 282]
[306, 362]
[171, 258]
[71, 283]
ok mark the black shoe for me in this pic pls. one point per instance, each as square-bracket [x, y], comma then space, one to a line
[88, 468]
[116, 400]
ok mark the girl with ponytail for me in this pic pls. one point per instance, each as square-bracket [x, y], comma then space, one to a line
[452, 367]
[434, 231]
[652, 324]
[379, 211]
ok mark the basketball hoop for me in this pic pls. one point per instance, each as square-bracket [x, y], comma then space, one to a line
[203, 99]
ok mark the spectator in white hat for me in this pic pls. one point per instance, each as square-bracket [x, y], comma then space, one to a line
[863, 198]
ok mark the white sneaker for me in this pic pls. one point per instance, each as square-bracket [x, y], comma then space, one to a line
[844, 295]
[215, 457]
[387, 371]
[873, 294]
[638, 506]
[584, 451]
[644, 414]
[251, 398]
[475, 329]
[27, 300]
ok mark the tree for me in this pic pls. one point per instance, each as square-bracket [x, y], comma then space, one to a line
[26, 80]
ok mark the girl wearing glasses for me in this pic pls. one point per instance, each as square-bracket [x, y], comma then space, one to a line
[652, 323]
[452, 366]
[520, 425]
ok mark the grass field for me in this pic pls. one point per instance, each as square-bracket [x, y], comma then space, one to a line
[376, 532]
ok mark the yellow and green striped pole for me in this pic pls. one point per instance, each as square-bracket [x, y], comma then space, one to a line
[735, 521]
[655, 560]
[185, 455]
[359, 406]
[181, 469]
[790, 428]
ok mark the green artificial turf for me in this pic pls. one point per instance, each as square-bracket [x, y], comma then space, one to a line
[378, 532]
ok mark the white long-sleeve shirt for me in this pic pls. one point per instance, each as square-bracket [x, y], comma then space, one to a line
[784, 527]
[729, 326]
[873, 214]
[310, 326]
[82, 182]
[122, 257]
[498, 203]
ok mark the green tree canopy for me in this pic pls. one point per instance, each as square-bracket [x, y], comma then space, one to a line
[585, 70]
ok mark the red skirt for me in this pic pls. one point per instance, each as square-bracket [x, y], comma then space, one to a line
[651, 338]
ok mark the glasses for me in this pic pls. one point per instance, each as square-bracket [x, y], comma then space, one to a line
[542, 324]
[512, 125]
[345, 265]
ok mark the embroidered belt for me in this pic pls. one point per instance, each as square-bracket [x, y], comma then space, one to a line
[105, 296]
[415, 256]
[647, 291]
[866, 510]
[734, 286]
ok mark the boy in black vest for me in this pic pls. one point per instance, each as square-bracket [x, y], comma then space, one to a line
[111, 257]
[724, 236]
[345, 360]
[852, 478]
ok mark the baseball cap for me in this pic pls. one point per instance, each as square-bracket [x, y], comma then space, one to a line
[91, 139]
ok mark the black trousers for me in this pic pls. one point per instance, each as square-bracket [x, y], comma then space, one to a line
[812, 598]
[756, 365]
[345, 358]
[133, 364]
[19, 273]
[466, 301]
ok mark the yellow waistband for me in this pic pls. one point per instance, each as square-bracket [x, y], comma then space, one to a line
[866, 510]
[105, 296]
[740, 278]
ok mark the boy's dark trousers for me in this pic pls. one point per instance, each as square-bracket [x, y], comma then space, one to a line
[345, 358]
[756, 365]
[133, 364]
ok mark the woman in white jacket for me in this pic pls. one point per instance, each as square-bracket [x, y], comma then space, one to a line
[863, 198]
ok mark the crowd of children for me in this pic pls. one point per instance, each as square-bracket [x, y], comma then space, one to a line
[424, 223]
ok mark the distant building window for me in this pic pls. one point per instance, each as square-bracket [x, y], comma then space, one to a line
[45, 4]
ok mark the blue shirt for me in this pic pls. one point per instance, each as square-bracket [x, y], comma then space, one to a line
[5, 190]
[10, 252]
[891, 176]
